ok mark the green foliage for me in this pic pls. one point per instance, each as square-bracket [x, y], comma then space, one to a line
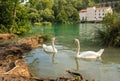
[47, 15]
[20, 27]
[37, 24]
[110, 34]
[43, 4]
[117, 7]
[32, 2]
[47, 23]
[3, 29]
[41, 11]
[54, 11]
[78, 4]
[21, 24]
[6, 14]
[67, 14]
[57, 11]
[33, 15]
[14, 18]
[62, 17]
[91, 3]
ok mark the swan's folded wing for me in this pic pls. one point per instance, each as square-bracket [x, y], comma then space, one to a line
[48, 49]
[88, 54]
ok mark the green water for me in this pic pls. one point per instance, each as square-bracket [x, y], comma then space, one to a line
[46, 65]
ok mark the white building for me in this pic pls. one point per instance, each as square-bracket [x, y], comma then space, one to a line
[94, 14]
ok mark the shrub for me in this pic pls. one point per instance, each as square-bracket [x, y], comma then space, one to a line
[110, 33]
[47, 23]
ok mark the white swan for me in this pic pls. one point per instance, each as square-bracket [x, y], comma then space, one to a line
[50, 48]
[87, 54]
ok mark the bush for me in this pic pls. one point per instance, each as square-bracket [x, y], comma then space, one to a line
[110, 34]
[47, 23]
[37, 24]
[20, 27]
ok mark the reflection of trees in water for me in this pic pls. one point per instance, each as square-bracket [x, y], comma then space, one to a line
[53, 56]
[66, 31]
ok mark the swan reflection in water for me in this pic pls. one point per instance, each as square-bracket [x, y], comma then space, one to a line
[77, 64]
[77, 60]
[53, 58]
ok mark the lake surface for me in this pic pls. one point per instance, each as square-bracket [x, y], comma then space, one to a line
[46, 65]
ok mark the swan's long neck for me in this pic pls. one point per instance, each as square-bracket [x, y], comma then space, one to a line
[100, 52]
[44, 46]
[53, 45]
[78, 48]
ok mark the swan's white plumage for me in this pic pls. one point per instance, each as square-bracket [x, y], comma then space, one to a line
[87, 54]
[50, 48]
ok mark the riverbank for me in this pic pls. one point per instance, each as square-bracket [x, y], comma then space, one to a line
[12, 65]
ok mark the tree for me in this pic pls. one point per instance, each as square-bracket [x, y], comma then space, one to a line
[78, 4]
[58, 6]
[40, 11]
[33, 3]
[91, 3]
[43, 4]
[62, 17]
[117, 7]
[13, 18]
[6, 15]
[47, 15]
[65, 12]
[21, 24]
[33, 15]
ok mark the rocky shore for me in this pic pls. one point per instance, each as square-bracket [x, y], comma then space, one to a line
[12, 65]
